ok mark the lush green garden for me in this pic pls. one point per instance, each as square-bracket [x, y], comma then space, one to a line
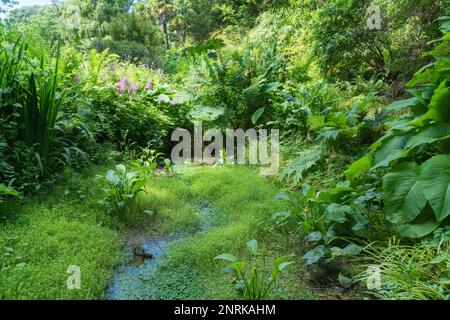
[91, 91]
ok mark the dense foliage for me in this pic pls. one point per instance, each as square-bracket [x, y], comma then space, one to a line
[363, 113]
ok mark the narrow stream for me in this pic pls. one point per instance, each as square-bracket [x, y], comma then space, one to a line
[135, 275]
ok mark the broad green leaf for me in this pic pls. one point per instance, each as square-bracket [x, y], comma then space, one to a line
[345, 281]
[162, 98]
[438, 110]
[283, 265]
[398, 105]
[424, 75]
[132, 175]
[390, 151]
[112, 177]
[226, 257]
[403, 196]
[314, 255]
[229, 269]
[206, 113]
[352, 250]
[257, 115]
[270, 87]
[337, 194]
[431, 134]
[282, 196]
[439, 259]
[7, 191]
[358, 168]
[238, 266]
[314, 236]
[421, 227]
[252, 246]
[435, 179]
[309, 193]
[337, 213]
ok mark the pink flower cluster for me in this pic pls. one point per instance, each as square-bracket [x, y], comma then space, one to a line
[126, 85]
[123, 84]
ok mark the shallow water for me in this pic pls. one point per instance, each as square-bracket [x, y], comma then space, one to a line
[129, 278]
[135, 278]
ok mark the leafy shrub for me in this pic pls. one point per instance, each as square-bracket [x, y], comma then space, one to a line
[296, 168]
[235, 85]
[415, 151]
[122, 189]
[346, 48]
[30, 100]
[340, 216]
[148, 160]
[253, 281]
[300, 103]
[303, 214]
[7, 191]
[111, 115]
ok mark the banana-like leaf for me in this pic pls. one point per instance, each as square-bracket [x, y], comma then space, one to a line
[358, 168]
[403, 197]
[435, 178]
[410, 189]
[438, 110]
[257, 115]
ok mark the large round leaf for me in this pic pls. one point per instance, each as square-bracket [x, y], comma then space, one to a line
[403, 197]
[431, 134]
[425, 224]
[435, 182]
[438, 110]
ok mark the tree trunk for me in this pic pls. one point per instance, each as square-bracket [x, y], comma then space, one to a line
[166, 35]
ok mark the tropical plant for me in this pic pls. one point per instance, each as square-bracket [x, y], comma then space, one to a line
[6, 191]
[342, 220]
[236, 87]
[346, 47]
[30, 100]
[297, 167]
[303, 214]
[122, 188]
[148, 160]
[40, 111]
[253, 280]
[415, 151]
[164, 10]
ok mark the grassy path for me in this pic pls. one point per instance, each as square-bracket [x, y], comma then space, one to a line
[39, 241]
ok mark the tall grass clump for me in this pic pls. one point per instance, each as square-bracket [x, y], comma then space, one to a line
[40, 110]
[29, 104]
